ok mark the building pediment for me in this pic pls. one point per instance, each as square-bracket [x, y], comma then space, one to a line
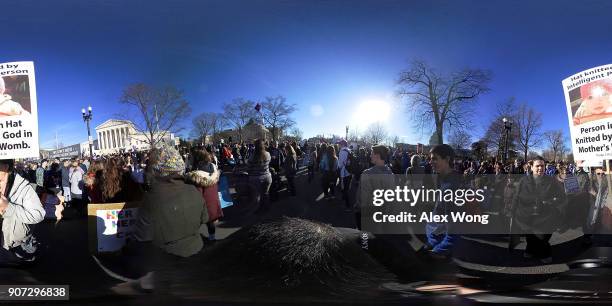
[113, 123]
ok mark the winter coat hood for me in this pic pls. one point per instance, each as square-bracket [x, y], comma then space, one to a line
[202, 178]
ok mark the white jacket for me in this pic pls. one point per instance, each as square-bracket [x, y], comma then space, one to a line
[76, 180]
[24, 210]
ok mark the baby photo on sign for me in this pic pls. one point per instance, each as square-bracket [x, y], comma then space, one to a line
[592, 101]
[14, 96]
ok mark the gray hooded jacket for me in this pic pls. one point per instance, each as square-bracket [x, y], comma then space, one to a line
[24, 210]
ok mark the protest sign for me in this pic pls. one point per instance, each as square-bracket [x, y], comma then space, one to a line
[110, 224]
[224, 193]
[66, 152]
[588, 97]
[18, 111]
[571, 185]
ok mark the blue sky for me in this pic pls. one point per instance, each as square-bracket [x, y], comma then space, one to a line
[329, 54]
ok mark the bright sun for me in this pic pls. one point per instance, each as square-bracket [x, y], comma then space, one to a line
[369, 112]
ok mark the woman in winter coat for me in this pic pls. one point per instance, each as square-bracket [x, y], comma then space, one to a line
[290, 168]
[206, 178]
[93, 182]
[260, 177]
[328, 166]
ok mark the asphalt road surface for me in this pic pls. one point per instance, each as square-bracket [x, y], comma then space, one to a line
[484, 273]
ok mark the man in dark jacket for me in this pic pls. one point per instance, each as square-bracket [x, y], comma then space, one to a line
[539, 205]
[65, 172]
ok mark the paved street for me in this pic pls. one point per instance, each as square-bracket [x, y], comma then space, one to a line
[65, 258]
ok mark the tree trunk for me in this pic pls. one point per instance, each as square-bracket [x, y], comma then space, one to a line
[274, 135]
[439, 131]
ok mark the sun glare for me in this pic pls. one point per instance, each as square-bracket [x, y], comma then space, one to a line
[370, 112]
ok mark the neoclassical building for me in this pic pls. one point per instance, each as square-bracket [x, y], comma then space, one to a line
[115, 135]
[251, 131]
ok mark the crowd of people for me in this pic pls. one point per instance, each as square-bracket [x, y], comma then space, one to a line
[515, 188]
[170, 183]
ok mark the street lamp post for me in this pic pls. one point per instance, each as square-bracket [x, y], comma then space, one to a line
[346, 136]
[507, 128]
[87, 117]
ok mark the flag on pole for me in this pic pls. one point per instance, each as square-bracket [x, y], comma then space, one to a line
[257, 107]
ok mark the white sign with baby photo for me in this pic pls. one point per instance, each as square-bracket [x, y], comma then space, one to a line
[18, 111]
[588, 97]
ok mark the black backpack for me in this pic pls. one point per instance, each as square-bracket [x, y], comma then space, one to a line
[352, 165]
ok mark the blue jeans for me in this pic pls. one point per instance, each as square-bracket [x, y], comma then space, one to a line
[261, 184]
[441, 243]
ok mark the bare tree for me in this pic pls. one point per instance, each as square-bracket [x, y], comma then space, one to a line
[277, 115]
[495, 132]
[563, 152]
[296, 134]
[570, 158]
[527, 123]
[556, 144]
[479, 149]
[460, 139]
[207, 124]
[238, 113]
[354, 135]
[376, 133]
[441, 99]
[548, 155]
[393, 140]
[160, 110]
[531, 155]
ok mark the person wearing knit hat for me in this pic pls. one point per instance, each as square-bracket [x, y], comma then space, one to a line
[169, 218]
[596, 101]
[8, 107]
[167, 161]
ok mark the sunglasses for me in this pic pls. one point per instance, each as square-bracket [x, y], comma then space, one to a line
[599, 173]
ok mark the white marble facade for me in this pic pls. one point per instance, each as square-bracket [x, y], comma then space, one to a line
[115, 135]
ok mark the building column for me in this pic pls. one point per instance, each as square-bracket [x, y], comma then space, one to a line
[122, 131]
[124, 137]
[102, 141]
[110, 140]
[107, 139]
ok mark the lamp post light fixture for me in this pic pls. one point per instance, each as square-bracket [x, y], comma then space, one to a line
[87, 115]
[507, 129]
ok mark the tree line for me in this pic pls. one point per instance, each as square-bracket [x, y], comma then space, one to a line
[273, 113]
[443, 103]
